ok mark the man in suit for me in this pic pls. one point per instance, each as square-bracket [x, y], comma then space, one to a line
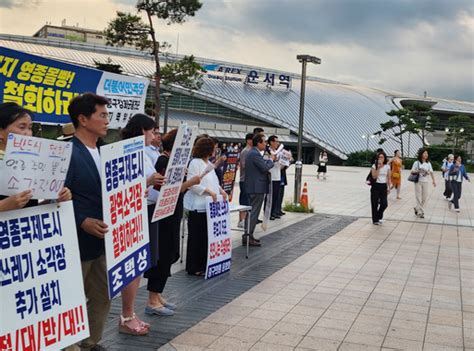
[257, 181]
[89, 115]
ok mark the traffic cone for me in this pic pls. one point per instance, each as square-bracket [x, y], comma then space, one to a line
[304, 196]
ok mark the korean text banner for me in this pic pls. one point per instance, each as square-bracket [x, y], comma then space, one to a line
[179, 159]
[41, 289]
[230, 171]
[219, 250]
[45, 87]
[127, 247]
[35, 164]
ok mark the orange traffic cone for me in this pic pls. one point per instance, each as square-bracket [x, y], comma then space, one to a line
[304, 196]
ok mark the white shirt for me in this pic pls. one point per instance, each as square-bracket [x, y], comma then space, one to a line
[96, 156]
[448, 166]
[195, 198]
[275, 171]
[153, 153]
[149, 170]
[425, 169]
[383, 173]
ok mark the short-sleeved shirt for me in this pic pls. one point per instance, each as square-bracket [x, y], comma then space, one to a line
[243, 156]
[426, 170]
[383, 173]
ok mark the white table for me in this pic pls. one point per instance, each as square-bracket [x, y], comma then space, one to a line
[232, 208]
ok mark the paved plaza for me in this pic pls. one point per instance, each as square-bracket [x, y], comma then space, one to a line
[333, 281]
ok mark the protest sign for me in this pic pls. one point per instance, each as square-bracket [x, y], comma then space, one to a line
[175, 172]
[230, 171]
[34, 163]
[41, 289]
[219, 250]
[284, 158]
[45, 87]
[127, 247]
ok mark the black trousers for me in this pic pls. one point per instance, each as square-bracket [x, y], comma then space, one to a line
[457, 190]
[275, 198]
[196, 252]
[378, 200]
[448, 191]
[279, 207]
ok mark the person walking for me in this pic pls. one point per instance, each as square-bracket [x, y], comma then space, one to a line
[195, 203]
[396, 166]
[322, 165]
[257, 181]
[380, 188]
[457, 172]
[423, 168]
[447, 163]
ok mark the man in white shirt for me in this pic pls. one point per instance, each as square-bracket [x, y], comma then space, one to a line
[153, 150]
[275, 174]
[90, 117]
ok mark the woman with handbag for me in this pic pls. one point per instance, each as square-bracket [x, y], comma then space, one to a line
[396, 169]
[381, 176]
[422, 167]
[457, 172]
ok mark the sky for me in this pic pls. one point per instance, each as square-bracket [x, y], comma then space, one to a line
[408, 46]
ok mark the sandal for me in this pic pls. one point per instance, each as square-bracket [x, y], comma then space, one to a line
[139, 330]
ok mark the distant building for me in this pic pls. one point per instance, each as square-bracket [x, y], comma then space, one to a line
[73, 33]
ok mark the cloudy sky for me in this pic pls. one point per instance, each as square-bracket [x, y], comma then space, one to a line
[404, 45]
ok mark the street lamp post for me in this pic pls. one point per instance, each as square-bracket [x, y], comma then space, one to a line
[368, 137]
[304, 59]
[166, 96]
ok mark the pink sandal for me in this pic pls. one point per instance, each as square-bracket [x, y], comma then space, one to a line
[140, 330]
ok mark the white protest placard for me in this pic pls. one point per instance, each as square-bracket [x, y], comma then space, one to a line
[34, 163]
[175, 172]
[126, 94]
[219, 250]
[284, 158]
[127, 247]
[41, 289]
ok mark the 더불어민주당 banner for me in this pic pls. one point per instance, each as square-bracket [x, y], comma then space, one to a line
[219, 250]
[46, 86]
[35, 164]
[41, 288]
[127, 246]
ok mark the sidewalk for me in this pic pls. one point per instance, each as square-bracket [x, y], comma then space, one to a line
[408, 284]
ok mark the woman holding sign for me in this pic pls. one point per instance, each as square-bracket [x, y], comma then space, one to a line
[195, 202]
[168, 239]
[141, 124]
[17, 120]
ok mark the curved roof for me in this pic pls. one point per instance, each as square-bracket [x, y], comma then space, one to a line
[336, 115]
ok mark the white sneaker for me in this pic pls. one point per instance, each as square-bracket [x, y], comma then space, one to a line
[241, 224]
[457, 210]
[381, 221]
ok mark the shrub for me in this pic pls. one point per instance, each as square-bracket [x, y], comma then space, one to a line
[291, 207]
[359, 158]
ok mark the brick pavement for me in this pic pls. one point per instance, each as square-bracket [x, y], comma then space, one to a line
[408, 284]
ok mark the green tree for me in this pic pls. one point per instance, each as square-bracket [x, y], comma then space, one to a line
[130, 29]
[460, 131]
[394, 128]
[422, 121]
[108, 66]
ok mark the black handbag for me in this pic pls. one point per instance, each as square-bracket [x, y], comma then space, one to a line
[370, 180]
[414, 177]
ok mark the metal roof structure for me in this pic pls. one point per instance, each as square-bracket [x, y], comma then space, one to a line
[336, 115]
